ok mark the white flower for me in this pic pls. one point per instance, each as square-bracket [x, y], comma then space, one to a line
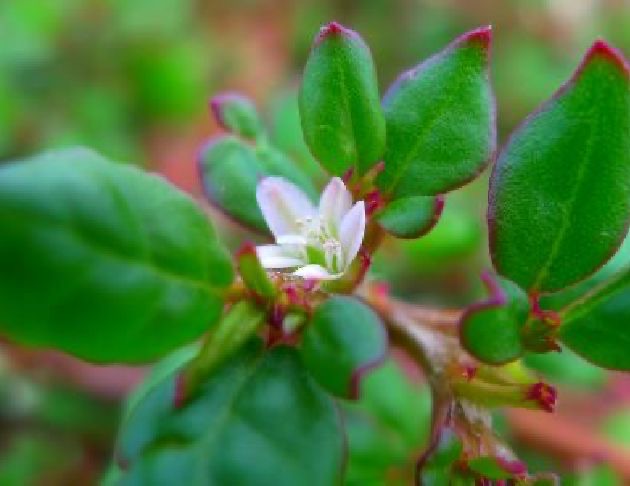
[320, 243]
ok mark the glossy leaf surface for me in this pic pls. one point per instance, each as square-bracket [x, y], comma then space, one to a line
[343, 341]
[440, 121]
[258, 419]
[339, 102]
[104, 261]
[560, 192]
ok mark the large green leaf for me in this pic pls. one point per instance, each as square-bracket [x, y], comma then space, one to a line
[440, 121]
[560, 192]
[258, 419]
[344, 340]
[104, 261]
[597, 326]
[339, 102]
[231, 169]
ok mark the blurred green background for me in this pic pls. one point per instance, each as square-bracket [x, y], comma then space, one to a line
[132, 79]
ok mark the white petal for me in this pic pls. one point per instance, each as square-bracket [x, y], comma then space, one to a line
[336, 201]
[282, 204]
[276, 256]
[291, 240]
[315, 272]
[351, 232]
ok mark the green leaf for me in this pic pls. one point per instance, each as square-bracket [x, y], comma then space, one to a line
[254, 276]
[491, 330]
[339, 103]
[344, 340]
[560, 191]
[440, 121]
[230, 171]
[386, 428]
[258, 419]
[104, 261]
[489, 467]
[411, 217]
[567, 368]
[237, 114]
[596, 326]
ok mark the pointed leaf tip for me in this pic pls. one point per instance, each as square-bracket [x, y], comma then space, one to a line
[482, 35]
[602, 50]
[332, 29]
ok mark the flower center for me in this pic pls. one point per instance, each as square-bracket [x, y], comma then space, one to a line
[322, 247]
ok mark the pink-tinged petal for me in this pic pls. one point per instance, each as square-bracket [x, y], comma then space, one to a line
[282, 205]
[336, 201]
[352, 231]
[315, 272]
[276, 256]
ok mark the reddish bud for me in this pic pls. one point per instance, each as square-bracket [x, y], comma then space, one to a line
[545, 395]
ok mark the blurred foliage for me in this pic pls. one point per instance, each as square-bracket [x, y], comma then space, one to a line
[108, 73]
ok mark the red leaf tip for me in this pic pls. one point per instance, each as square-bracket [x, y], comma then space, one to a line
[247, 248]
[602, 49]
[482, 35]
[333, 29]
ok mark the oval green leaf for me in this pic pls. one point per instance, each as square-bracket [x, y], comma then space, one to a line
[230, 170]
[339, 102]
[440, 121]
[343, 341]
[411, 217]
[491, 330]
[258, 419]
[104, 261]
[597, 326]
[560, 192]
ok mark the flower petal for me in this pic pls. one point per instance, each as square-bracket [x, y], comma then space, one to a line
[336, 201]
[351, 232]
[276, 256]
[315, 272]
[282, 204]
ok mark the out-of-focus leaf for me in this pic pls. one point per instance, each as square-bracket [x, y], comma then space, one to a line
[258, 419]
[104, 261]
[566, 368]
[237, 114]
[387, 428]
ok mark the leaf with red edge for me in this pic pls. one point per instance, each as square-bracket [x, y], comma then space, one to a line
[440, 121]
[343, 341]
[491, 330]
[560, 191]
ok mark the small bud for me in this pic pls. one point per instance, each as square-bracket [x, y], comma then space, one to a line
[544, 395]
[236, 114]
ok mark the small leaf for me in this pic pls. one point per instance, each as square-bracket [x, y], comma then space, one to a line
[339, 103]
[411, 217]
[344, 339]
[491, 330]
[596, 326]
[560, 191]
[440, 121]
[237, 114]
[492, 467]
[104, 261]
[252, 272]
[230, 171]
[258, 419]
